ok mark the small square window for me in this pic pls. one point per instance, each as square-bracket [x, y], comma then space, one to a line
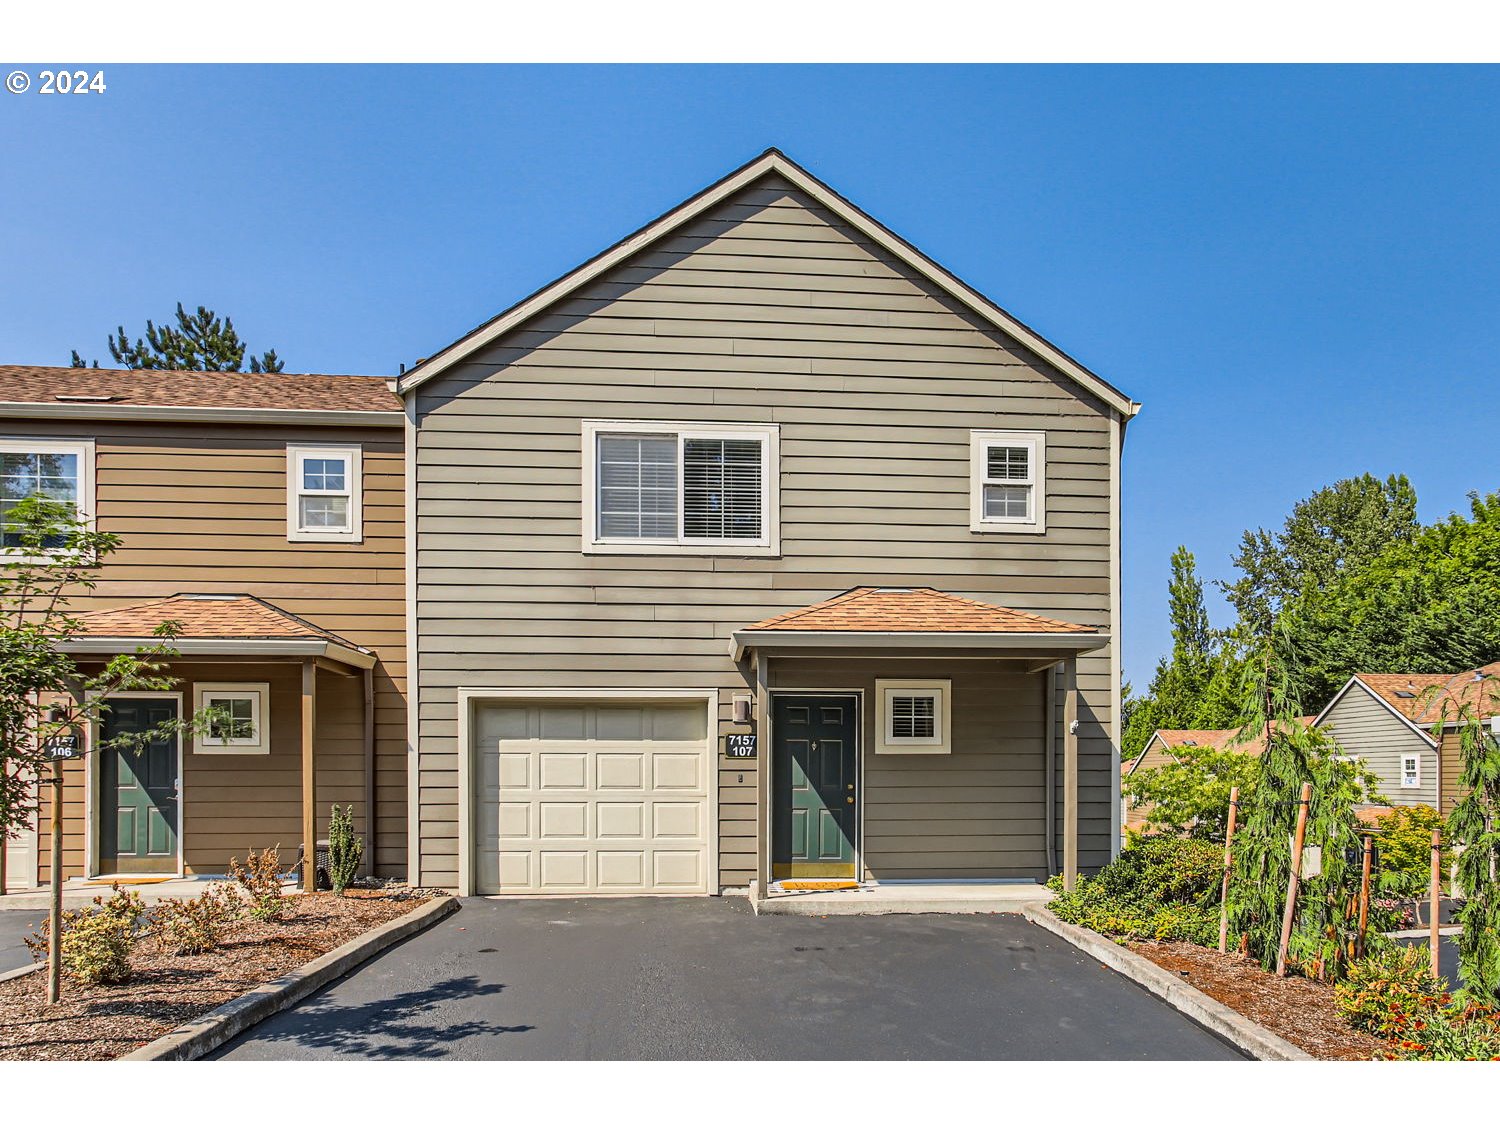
[915, 716]
[323, 494]
[234, 718]
[1007, 481]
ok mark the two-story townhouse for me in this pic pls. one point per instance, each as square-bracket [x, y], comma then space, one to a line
[760, 548]
[264, 515]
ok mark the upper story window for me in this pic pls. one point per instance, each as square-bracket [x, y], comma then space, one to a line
[1411, 771]
[323, 494]
[1007, 481]
[52, 470]
[657, 487]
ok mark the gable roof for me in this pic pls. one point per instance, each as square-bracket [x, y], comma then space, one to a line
[1419, 699]
[108, 392]
[210, 622]
[1216, 739]
[770, 162]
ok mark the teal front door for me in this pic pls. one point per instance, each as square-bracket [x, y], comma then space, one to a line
[138, 786]
[815, 799]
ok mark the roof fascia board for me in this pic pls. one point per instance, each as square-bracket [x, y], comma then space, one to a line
[1373, 694]
[243, 415]
[745, 639]
[771, 162]
[227, 646]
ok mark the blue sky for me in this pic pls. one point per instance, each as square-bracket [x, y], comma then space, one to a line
[1295, 269]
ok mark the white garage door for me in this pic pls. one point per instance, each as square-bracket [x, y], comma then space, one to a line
[584, 798]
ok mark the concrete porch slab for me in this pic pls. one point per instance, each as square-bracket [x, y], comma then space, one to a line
[904, 898]
[78, 892]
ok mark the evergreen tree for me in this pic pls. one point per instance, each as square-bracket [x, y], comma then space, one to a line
[200, 342]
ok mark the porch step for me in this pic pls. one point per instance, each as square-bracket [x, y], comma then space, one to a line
[908, 898]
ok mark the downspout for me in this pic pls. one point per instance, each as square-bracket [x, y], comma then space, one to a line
[1051, 818]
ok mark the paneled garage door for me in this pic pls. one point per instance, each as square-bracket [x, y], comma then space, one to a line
[591, 798]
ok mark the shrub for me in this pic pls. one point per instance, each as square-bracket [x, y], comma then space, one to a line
[189, 926]
[1405, 844]
[261, 879]
[95, 942]
[345, 849]
[1164, 888]
[1392, 995]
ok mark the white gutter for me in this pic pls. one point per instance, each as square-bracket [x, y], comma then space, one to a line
[226, 646]
[254, 416]
[843, 638]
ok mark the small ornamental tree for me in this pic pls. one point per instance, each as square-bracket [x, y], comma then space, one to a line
[1474, 826]
[1190, 796]
[1324, 926]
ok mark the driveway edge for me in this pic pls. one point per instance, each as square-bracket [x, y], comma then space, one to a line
[196, 1038]
[12, 974]
[1222, 1020]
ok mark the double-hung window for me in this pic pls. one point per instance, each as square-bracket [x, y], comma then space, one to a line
[1411, 771]
[1007, 481]
[58, 471]
[652, 487]
[323, 494]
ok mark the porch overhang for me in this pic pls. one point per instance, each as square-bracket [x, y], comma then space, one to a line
[350, 655]
[1050, 647]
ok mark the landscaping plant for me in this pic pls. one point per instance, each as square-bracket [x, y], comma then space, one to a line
[260, 876]
[1405, 845]
[1163, 888]
[95, 940]
[1392, 994]
[345, 849]
[189, 926]
[1475, 829]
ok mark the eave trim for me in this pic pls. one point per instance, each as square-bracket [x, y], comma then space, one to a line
[253, 416]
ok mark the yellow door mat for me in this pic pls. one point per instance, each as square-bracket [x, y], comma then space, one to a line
[818, 885]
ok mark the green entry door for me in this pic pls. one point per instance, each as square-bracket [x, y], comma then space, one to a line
[815, 800]
[139, 791]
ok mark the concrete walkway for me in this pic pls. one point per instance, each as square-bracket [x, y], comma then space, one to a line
[77, 893]
[903, 898]
[705, 979]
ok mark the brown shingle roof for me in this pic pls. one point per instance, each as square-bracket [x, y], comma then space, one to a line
[1422, 696]
[1219, 739]
[883, 609]
[219, 389]
[208, 617]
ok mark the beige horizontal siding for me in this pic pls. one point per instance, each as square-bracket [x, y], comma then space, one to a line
[1365, 727]
[765, 310]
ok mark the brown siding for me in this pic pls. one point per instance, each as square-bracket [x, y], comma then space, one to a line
[202, 509]
[765, 310]
[1158, 755]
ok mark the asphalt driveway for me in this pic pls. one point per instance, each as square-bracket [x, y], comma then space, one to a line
[16, 925]
[704, 979]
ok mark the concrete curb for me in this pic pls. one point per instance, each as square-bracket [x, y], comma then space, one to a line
[1222, 1020]
[197, 1038]
[12, 974]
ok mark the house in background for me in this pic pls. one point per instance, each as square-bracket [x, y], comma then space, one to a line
[760, 547]
[1400, 725]
[263, 513]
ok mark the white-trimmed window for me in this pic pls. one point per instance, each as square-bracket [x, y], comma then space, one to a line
[1411, 771]
[238, 718]
[660, 487]
[1007, 481]
[323, 494]
[915, 717]
[48, 469]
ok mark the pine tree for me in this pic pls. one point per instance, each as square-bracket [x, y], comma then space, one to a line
[200, 342]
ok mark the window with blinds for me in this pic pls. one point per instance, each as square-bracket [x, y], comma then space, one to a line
[1006, 484]
[913, 716]
[916, 717]
[705, 487]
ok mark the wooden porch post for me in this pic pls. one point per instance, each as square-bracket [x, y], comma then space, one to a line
[369, 732]
[763, 775]
[1070, 773]
[309, 792]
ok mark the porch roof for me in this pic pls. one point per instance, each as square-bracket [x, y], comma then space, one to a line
[914, 617]
[214, 625]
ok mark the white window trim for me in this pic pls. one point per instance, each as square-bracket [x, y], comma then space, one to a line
[1416, 761]
[1036, 442]
[769, 543]
[260, 715]
[84, 448]
[353, 457]
[887, 743]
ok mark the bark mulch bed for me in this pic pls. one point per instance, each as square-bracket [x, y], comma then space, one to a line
[1299, 1010]
[165, 990]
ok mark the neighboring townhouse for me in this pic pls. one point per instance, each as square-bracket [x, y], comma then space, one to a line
[263, 514]
[1401, 726]
[760, 547]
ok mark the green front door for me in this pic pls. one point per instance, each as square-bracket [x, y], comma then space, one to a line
[138, 788]
[815, 800]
